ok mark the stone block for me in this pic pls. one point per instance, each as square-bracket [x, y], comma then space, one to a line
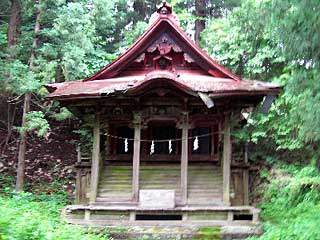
[157, 199]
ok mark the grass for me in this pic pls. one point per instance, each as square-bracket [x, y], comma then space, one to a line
[290, 210]
[209, 233]
[291, 206]
[29, 216]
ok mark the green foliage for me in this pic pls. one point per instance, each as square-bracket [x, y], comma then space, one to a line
[36, 122]
[29, 216]
[244, 43]
[6, 183]
[64, 114]
[3, 36]
[209, 233]
[85, 139]
[74, 36]
[275, 41]
[17, 77]
[131, 36]
[291, 205]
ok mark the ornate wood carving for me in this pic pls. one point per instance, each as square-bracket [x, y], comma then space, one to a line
[161, 44]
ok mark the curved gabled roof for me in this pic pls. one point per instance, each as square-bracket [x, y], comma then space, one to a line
[210, 78]
[163, 22]
[188, 83]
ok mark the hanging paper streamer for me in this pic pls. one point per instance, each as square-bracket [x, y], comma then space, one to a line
[152, 148]
[196, 144]
[126, 145]
[170, 146]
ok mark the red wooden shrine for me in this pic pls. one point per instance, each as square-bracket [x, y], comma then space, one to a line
[162, 114]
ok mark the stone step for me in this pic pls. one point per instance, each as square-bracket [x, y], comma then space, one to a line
[166, 175]
[204, 182]
[195, 192]
[191, 170]
[163, 179]
[142, 181]
[166, 167]
[106, 189]
[166, 230]
[117, 199]
[116, 195]
[162, 176]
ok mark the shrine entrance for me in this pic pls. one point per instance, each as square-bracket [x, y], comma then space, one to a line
[164, 135]
[160, 142]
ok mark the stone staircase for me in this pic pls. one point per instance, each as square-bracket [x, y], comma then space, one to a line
[115, 184]
[204, 182]
[204, 185]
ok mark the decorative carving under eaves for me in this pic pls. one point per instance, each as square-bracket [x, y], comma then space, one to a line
[117, 111]
[159, 113]
[188, 58]
[140, 58]
[162, 43]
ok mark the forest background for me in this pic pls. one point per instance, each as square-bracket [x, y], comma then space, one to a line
[47, 41]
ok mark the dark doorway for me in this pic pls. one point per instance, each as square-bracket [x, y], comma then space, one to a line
[125, 133]
[163, 133]
[204, 140]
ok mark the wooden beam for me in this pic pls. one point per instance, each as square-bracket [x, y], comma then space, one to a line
[136, 158]
[184, 160]
[95, 159]
[78, 149]
[226, 160]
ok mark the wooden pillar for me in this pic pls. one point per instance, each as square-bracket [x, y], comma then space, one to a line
[246, 179]
[226, 167]
[95, 159]
[107, 140]
[136, 157]
[184, 160]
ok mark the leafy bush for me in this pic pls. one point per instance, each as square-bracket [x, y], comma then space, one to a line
[29, 216]
[291, 207]
[36, 121]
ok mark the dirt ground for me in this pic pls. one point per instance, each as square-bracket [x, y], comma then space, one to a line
[48, 160]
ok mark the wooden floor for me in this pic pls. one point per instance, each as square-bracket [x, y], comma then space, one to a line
[204, 182]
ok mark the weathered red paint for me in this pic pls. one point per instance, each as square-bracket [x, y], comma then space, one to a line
[163, 53]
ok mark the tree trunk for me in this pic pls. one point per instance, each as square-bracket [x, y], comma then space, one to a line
[12, 39]
[26, 108]
[14, 24]
[200, 23]
[140, 7]
[22, 145]
[10, 118]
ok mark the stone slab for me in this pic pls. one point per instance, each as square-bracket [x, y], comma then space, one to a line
[156, 199]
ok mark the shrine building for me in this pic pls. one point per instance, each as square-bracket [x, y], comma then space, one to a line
[162, 117]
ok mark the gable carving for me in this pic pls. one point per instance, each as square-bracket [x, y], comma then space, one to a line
[163, 54]
[164, 41]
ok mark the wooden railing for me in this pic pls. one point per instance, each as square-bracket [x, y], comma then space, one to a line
[83, 156]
